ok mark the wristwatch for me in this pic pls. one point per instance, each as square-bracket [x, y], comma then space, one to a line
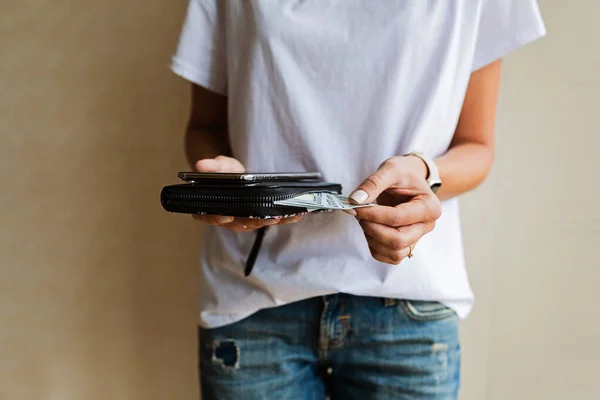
[433, 174]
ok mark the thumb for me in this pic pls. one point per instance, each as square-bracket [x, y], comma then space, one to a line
[374, 185]
[219, 164]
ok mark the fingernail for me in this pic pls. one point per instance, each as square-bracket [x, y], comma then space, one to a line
[224, 220]
[351, 211]
[360, 196]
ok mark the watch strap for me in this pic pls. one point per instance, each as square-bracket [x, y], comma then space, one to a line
[433, 173]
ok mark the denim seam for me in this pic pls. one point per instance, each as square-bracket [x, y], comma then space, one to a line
[411, 312]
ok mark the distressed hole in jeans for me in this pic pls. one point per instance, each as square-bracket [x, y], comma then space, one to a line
[441, 351]
[439, 347]
[226, 353]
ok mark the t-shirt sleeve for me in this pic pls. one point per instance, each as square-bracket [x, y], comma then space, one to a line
[201, 52]
[505, 26]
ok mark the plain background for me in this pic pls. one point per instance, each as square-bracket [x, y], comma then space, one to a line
[98, 284]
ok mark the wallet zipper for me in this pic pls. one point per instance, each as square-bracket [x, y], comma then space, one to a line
[184, 203]
[228, 201]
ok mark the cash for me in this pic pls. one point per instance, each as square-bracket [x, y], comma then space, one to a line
[320, 201]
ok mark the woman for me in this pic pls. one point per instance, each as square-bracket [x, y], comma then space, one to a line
[388, 98]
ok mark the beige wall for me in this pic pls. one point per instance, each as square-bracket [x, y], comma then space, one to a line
[533, 230]
[97, 296]
[97, 284]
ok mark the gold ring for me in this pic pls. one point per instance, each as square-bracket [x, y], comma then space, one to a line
[410, 254]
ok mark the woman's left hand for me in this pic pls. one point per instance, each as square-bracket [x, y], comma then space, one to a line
[406, 208]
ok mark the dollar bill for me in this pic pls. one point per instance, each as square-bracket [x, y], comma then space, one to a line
[321, 201]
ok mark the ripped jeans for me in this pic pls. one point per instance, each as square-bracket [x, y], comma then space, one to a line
[342, 346]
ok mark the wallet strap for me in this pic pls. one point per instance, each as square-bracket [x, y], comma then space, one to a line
[260, 235]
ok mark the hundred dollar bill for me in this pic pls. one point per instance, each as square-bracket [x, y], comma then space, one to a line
[321, 201]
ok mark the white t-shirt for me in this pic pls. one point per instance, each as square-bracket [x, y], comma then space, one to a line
[339, 86]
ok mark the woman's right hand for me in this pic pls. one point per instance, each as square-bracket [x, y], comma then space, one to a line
[235, 224]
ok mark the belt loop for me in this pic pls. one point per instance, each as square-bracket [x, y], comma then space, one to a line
[387, 302]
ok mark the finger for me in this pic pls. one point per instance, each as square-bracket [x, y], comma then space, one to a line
[251, 223]
[393, 256]
[231, 164]
[247, 225]
[213, 219]
[381, 258]
[374, 185]
[290, 220]
[208, 165]
[386, 176]
[219, 164]
[419, 209]
[395, 239]
[234, 223]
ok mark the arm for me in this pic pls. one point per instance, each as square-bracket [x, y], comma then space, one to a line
[469, 159]
[207, 149]
[206, 136]
[407, 207]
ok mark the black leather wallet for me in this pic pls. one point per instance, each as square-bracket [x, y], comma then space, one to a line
[240, 199]
[254, 199]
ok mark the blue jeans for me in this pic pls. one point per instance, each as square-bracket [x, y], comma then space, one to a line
[344, 346]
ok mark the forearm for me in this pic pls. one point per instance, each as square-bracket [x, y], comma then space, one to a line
[205, 142]
[469, 160]
[463, 167]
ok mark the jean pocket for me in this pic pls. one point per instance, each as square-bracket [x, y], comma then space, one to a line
[426, 310]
